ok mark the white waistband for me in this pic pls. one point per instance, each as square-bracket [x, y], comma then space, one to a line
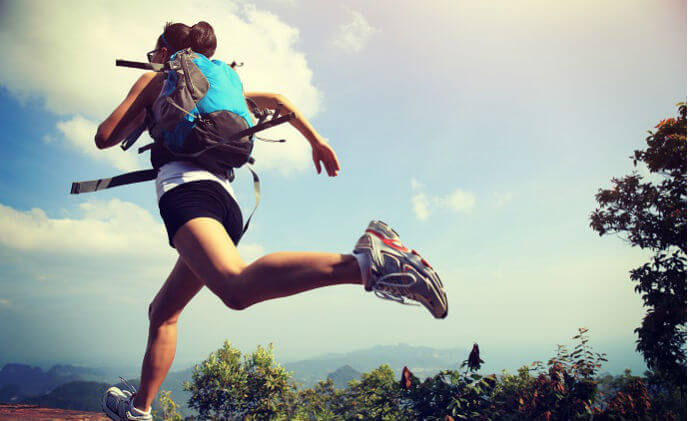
[176, 173]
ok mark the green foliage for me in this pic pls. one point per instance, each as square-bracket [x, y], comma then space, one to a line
[322, 402]
[233, 386]
[566, 388]
[462, 394]
[508, 392]
[254, 387]
[652, 215]
[668, 401]
[377, 396]
[168, 408]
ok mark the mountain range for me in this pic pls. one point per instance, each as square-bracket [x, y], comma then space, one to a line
[75, 387]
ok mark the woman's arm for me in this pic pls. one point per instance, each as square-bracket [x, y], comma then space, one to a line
[322, 152]
[131, 112]
[270, 100]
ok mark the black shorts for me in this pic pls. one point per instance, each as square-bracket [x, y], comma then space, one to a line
[202, 198]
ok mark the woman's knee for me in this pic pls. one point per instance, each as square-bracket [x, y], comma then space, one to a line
[230, 289]
[235, 302]
[160, 316]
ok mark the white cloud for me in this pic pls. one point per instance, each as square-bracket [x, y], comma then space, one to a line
[421, 206]
[353, 36]
[105, 228]
[79, 133]
[292, 155]
[456, 201]
[424, 204]
[5, 303]
[83, 84]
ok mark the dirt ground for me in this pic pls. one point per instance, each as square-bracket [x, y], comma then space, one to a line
[12, 412]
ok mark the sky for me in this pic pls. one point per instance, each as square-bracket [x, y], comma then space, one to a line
[480, 131]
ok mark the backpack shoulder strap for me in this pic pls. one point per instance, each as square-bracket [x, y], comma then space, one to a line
[134, 136]
[156, 67]
[256, 190]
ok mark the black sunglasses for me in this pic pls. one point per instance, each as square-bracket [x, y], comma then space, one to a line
[151, 54]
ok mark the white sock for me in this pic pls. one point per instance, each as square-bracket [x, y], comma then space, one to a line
[364, 264]
[136, 411]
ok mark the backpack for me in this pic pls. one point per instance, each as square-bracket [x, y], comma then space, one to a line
[200, 115]
[200, 109]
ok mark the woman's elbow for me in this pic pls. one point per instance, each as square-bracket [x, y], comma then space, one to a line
[280, 99]
[100, 139]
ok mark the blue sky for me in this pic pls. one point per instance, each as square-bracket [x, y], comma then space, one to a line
[479, 131]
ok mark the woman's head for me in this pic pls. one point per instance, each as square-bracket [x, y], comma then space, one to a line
[177, 36]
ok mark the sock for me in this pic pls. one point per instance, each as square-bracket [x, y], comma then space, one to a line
[364, 264]
[134, 410]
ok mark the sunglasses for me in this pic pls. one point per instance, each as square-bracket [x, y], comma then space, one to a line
[151, 54]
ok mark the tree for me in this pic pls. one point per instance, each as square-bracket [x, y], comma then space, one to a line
[376, 396]
[229, 385]
[451, 394]
[323, 402]
[652, 215]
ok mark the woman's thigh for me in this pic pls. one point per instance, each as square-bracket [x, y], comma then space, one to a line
[179, 288]
[207, 249]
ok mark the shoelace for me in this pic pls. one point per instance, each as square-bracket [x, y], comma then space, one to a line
[395, 292]
[131, 388]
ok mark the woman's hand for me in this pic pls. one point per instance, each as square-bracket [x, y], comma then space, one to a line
[322, 152]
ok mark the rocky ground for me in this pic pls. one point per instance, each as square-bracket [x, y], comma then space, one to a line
[12, 412]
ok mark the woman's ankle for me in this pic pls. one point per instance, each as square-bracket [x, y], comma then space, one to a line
[139, 406]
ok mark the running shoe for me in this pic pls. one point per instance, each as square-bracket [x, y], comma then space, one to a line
[117, 404]
[397, 273]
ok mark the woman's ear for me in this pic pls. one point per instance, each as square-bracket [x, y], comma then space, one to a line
[165, 54]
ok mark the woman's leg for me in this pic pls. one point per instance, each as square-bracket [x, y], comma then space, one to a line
[181, 286]
[208, 251]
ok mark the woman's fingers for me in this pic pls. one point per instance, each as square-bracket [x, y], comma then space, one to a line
[316, 161]
[326, 155]
[333, 165]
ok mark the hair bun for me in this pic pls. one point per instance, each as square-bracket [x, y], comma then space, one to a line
[202, 39]
[202, 27]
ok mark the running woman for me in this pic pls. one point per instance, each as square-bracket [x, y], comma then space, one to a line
[204, 224]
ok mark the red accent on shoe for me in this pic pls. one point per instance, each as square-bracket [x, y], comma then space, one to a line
[391, 242]
[425, 262]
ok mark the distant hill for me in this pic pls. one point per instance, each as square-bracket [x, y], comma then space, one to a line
[421, 360]
[79, 395]
[10, 393]
[83, 373]
[19, 381]
[342, 376]
[72, 387]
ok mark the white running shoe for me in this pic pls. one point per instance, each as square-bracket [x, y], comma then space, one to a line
[117, 404]
[396, 273]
